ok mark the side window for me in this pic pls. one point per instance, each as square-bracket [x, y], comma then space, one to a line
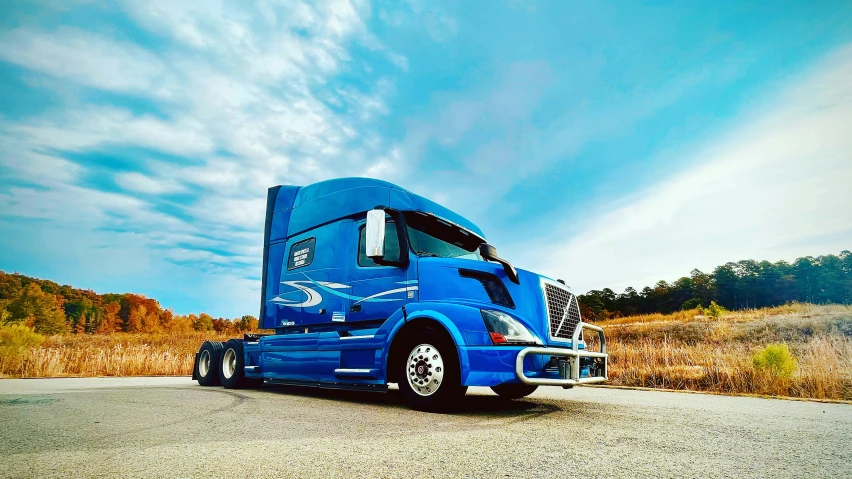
[301, 253]
[391, 245]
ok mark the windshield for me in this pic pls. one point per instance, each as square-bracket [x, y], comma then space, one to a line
[432, 236]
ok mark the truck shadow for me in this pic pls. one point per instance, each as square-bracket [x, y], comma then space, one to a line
[471, 405]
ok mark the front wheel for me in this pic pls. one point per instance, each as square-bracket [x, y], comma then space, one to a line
[514, 391]
[429, 376]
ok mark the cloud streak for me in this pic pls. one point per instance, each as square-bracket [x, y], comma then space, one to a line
[223, 103]
[774, 187]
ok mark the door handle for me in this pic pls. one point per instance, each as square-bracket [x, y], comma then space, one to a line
[356, 308]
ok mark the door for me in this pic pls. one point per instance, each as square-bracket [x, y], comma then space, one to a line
[377, 291]
[373, 293]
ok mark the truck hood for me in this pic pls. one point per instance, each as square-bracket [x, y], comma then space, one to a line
[449, 280]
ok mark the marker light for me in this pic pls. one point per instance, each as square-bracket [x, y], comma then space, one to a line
[505, 329]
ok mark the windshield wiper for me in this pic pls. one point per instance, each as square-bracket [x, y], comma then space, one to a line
[426, 253]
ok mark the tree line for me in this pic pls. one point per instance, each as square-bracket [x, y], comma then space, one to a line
[50, 308]
[741, 285]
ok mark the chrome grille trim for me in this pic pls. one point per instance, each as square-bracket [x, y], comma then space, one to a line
[563, 311]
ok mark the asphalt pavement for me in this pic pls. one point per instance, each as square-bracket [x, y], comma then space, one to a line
[171, 427]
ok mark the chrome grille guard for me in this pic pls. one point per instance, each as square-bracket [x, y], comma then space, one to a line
[570, 372]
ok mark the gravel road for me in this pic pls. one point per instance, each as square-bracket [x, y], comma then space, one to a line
[171, 427]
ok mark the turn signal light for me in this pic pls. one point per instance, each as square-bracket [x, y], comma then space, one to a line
[498, 338]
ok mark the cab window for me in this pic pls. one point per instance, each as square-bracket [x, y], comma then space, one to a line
[391, 245]
[301, 254]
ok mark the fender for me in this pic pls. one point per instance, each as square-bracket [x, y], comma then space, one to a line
[466, 317]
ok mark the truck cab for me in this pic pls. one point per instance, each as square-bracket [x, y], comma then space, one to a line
[366, 284]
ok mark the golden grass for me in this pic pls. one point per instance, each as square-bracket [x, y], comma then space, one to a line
[120, 354]
[689, 351]
[683, 350]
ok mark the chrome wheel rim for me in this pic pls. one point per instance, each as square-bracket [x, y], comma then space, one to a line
[229, 363]
[425, 369]
[204, 364]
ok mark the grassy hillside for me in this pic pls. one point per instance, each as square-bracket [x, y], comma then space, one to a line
[809, 354]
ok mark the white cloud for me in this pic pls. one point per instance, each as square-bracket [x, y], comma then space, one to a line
[88, 59]
[430, 16]
[38, 168]
[498, 139]
[140, 183]
[235, 98]
[87, 128]
[776, 187]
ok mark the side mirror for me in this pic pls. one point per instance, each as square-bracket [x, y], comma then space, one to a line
[376, 234]
[489, 253]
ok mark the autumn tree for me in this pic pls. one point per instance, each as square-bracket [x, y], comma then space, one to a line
[203, 322]
[39, 310]
[151, 322]
[181, 323]
[134, 321]
[223, 326]
[109, 322]
[80, 326]
[246, 323]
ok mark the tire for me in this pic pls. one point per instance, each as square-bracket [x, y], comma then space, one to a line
[207, 363]
[514, 391]
[428, 372]
[232, 367]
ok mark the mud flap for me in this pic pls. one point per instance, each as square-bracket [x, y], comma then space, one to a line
[195, 368]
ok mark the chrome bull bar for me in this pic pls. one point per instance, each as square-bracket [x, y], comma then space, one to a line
[570, 372]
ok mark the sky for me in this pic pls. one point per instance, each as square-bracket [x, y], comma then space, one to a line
[610, 144]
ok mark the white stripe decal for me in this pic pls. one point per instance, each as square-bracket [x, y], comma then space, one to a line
[313, 297]
[384, 293]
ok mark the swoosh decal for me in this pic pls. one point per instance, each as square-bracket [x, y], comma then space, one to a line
[313, 298]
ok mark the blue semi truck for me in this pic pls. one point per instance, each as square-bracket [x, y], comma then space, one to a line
[367, 284]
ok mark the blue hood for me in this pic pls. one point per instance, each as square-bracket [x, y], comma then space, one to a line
[440, 280]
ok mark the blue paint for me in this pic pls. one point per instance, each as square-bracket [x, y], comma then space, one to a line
[337, 314]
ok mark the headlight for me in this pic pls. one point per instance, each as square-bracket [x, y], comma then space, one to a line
[505, 329]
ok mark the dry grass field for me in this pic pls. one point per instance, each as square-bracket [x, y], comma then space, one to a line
[119, 354]
[685, 350]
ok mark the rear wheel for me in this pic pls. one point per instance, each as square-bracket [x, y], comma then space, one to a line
[514, 391]
[428, 375]
[232, 369]
[207, 364]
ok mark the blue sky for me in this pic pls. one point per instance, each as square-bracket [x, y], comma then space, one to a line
[610, 144]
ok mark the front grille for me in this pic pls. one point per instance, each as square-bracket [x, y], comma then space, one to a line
[563, 313]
